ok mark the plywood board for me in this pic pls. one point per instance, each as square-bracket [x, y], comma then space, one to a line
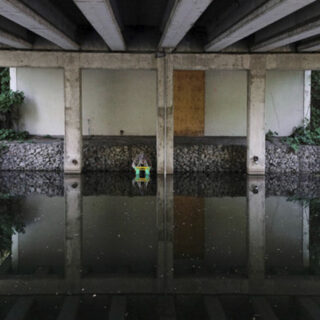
[189, 101]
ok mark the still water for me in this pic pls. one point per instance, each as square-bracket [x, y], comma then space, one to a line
[108, 246]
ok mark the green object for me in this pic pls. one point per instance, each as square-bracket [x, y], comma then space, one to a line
[137, 172]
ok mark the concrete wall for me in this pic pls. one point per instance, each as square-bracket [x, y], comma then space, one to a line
[284, 101]
[226, 102]
[111, 101]
[115, 100]
[43, 110]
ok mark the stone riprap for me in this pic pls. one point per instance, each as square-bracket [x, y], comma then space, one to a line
[100, 156]
[209, 158]
[29, 156]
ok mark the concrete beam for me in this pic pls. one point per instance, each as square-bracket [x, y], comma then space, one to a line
[309, 46]
[298, 26]
[182, 17]
[122, 61]
[100, 14]
[14, 41]
[23, 15]
[229, 32]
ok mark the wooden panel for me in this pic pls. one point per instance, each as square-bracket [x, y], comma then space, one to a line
[189, 227]
[188, 102]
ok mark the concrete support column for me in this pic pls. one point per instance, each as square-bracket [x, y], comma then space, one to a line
[307, 97]
[73, 121]
[256, 218]
[165, 132]
[73, 209]
[256, 117]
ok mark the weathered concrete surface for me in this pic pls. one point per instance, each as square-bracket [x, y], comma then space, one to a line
[256, 117]
[181, 18]
[165, 130]
[73, 121]
[101, 16]
[19, 13]
[301, 25]
[53, 59]
[253, 17]
[14, 41]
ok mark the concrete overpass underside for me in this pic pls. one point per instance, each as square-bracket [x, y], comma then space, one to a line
[255, 36]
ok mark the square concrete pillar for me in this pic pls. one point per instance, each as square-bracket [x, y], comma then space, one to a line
[165, 133]
[73, 121]
[256, 117]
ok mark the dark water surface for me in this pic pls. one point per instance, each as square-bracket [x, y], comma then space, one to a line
[105, 246]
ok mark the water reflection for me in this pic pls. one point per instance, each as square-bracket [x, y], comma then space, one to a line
[184, 235]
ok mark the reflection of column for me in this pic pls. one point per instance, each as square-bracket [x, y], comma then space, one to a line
[169, 227]
[15, 252]
[165, 226]
[256, 216]
[306, 235]
[73, 209]
[161, 233]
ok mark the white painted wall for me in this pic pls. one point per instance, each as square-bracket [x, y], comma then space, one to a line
[284, 101]
[112, 100]
[226, 102]
[115, 100]
[43, 110]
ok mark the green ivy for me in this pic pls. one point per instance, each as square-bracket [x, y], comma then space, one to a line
[8, 98]
[305, 135]
[10, 134]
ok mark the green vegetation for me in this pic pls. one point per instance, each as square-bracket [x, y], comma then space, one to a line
[10, 222]
[309, 132]
[305, 135]
[9, 102]
[10, 134]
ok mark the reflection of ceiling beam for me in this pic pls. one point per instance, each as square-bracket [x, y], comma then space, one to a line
[100, 14]
[273, 10]
[13, 41]
[21, 14]
[298, 26]
[182, 17]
